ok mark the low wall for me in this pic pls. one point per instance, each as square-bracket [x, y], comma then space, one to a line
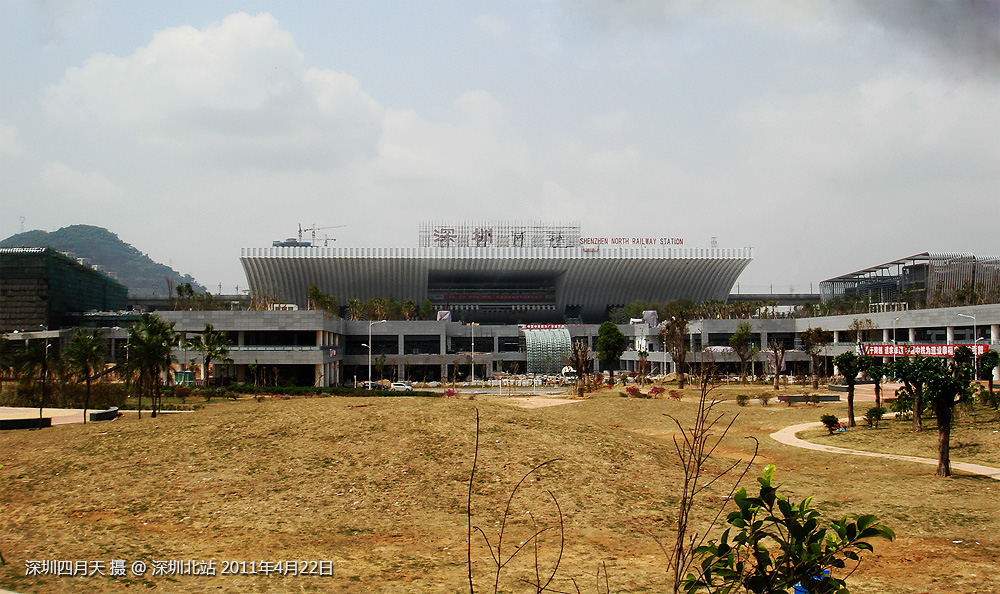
[104, 415]
[809, 398]
[30, 423]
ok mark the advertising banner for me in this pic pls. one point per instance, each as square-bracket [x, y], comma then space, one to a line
[924, 350]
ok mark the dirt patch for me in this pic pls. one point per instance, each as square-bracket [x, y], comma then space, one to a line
[378, 486]
[536, 401]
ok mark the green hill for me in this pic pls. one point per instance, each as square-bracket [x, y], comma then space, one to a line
[134, 269]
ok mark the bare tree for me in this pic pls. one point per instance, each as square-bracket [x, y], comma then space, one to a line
[582, 362]
[743, 345]
[674, 335]
[814, 341]
[856, 331]
[694, 448]
[776, 349]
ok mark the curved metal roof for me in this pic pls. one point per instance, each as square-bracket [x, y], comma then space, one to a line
[591, 280]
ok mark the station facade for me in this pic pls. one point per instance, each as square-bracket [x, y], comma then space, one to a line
[486, 286]
[501, 272]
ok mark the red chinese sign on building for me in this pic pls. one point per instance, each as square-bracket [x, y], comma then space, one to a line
[924, 350]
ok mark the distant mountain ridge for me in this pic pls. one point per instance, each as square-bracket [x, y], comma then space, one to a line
[134, 269]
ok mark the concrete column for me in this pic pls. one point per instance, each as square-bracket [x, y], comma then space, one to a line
[950, 334]
[763, 340]
[836, 337]
[400, 345]
[887, 335]
[239, 335]
[912, 335]
[994, 333]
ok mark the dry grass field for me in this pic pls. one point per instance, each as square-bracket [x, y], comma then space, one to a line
[378, 487]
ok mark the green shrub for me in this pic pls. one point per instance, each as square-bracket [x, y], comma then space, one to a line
[874, 415]
[902, 405]
[742, 399]
[830, 422]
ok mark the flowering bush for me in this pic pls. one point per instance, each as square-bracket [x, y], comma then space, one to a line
[633, 391]
[449, 392]
[656, 391]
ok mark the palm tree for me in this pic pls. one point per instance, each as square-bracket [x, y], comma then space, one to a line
[6, 362]
[34, 363]
[408, 309]
[354, 308]
[86, 355]
[213, 346]
[150, 352]
[31, 364]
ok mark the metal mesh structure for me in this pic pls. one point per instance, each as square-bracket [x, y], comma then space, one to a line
[548, 349]
[42, 287]
[499, 234]
[921, 278]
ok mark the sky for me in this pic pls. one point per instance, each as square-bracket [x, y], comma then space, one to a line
[828, 136]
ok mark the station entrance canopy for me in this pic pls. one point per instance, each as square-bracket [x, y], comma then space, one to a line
[548, 349]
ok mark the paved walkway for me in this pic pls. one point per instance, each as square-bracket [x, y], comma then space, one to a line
[60, 416]
[787, 436]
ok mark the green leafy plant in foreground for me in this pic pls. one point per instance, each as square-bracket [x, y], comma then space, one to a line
[772, 544]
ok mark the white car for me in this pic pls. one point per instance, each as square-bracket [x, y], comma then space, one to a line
[401, 387]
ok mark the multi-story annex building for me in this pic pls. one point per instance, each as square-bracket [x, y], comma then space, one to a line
[312, 347]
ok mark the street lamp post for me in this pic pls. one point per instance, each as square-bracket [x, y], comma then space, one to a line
[975, 356]
[894, 339]
[472, 327]
[370, 324]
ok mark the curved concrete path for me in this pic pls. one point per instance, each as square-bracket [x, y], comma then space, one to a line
[787, 436]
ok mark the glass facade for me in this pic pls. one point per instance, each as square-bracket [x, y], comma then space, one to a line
[549, 349]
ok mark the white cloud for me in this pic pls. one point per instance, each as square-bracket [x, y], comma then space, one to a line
[9, 146]
[611, 123]
[237, 93]
[893, 130]
[80, 188]
[494, 25]
[476, 147]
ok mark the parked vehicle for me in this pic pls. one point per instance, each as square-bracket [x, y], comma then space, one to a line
[401, 387]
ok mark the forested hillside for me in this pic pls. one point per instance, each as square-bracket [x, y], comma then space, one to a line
[134, 269]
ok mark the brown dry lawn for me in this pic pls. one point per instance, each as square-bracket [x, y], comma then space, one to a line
[378, 486]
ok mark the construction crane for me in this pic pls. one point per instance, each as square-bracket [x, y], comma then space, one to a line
[314, 229]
